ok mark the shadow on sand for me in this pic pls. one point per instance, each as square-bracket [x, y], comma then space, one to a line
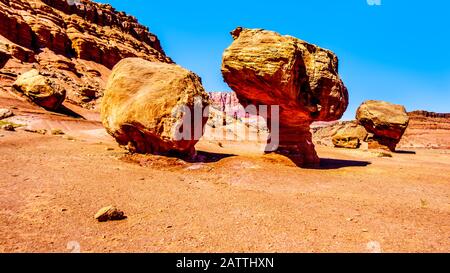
[68, 112]
[329, 163]
[405, 152]
[207, 157]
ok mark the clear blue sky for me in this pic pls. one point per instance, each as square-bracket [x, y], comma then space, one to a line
[398, 51]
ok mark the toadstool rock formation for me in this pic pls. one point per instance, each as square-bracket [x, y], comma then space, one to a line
[139, 102]
[386, 121]
[266, 68]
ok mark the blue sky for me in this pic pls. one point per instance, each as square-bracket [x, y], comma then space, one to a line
[398, 51]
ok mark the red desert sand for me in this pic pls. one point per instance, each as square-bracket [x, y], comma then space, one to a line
[66, 185]
[235, 200]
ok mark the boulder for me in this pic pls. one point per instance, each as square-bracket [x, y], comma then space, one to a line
[351, 136]
[5, 113]
[8, 127]
[145, 107]
[109, 213]
[266, 68]
[386, 121]
[40, 89]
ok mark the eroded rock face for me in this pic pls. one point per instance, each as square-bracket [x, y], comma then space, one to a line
[386, 121]
[227, 102]
[428, 114]
[427, 130]
[40, 89]
[79, 44]
[266, 68]
[137, 107]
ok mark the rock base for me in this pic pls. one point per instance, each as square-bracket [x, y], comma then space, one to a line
[296, 144]
[382, 143]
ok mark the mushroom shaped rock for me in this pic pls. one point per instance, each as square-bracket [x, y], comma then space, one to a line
[266, 68]
[40, 89]
[154, 107]
[386, 121]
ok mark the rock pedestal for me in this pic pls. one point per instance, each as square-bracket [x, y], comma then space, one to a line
[266, 68]
[386, 122]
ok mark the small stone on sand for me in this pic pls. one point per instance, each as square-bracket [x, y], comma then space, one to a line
[109, 213]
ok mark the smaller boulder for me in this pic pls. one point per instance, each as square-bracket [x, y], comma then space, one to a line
[351, 136]
[8, 127]
[109, 213]
[5, 113]
[386, 121]
[40, 89]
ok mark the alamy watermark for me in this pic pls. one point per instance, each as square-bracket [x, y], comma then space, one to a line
[374, 2]
[74, 247]
[374, 247]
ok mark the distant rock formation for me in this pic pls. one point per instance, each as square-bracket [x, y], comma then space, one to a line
[140, 102]
[427, 130]
[422, 113]
[351, 136]
[227, 102]
[76, 45]
[265, 68]
[386, 121]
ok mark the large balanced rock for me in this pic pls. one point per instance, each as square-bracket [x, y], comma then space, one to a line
[265, 68]
[141, 102]
[351, 136]
[40, 89]
[386, 121]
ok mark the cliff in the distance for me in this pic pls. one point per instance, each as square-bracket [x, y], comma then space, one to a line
[226, 102]
[76, 45]
[426, 114]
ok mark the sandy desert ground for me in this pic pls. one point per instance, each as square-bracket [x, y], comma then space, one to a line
[233, 200]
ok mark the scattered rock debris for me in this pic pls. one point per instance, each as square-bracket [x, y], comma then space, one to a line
[109, 213]
[57, 132]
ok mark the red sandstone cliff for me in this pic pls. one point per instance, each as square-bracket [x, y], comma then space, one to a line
[76, 45]
[227, 102]
[427, 130]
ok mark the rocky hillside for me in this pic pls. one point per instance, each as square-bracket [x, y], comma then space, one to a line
[427, 130]
[74, 44]
[425, 114]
